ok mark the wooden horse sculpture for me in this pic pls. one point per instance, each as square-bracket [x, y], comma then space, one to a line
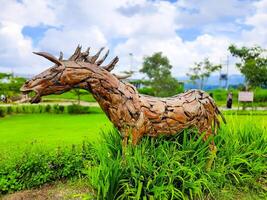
[131, 113]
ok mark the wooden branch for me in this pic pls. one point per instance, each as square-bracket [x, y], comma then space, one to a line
[112, 64]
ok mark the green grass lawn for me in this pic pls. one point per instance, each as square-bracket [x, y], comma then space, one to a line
[48, 130]
[18, 132]
[239, 165]
[85, 96]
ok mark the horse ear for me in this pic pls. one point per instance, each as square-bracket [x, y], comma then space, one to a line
[49, 57]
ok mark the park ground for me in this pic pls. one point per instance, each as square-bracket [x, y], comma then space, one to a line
[47, 131]
[52, 130]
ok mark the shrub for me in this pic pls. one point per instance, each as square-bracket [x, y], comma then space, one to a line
[58, 109]
[61, 108]
[260, 95]
[24, 109]
[40, 109]
[2, 111]
[47, 108]
[9, 110]
[36, 167]
[147, 91]
[19, 109]
[34, 109]
[77, 109]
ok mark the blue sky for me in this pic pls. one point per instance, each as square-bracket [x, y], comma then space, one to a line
[186, 31]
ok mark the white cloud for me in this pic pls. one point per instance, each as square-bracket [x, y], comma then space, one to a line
[66, 40]
[258, 22]
[198, 13]
[30, 13]
[129, 26]
[16, 49]
[182, 54]
[104, 23]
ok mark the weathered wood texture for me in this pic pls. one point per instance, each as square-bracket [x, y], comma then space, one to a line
[131, 112]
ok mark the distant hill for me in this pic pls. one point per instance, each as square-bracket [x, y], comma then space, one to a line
[213, 82]
[27, 76]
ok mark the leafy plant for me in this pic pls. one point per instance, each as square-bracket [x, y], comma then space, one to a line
[36, 167]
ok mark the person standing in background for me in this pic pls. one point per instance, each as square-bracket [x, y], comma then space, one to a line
[229, 100]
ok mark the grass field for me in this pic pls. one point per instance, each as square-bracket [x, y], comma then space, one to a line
[53, 130]
[48, 130]
[162, 168]
[85, 96]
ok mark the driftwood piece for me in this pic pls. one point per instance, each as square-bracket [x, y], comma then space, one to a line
[125, 107]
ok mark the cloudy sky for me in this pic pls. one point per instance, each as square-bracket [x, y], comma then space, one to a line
[184, 30]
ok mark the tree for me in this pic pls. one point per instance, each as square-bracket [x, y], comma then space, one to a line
[253, 64]
[79, 93]
[10, 85]
[158, 69]
[202, 71]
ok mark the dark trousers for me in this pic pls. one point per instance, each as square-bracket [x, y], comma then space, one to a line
[229, 103]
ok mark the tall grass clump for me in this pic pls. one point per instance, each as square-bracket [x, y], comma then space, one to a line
[105, 166]
[175, 167]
